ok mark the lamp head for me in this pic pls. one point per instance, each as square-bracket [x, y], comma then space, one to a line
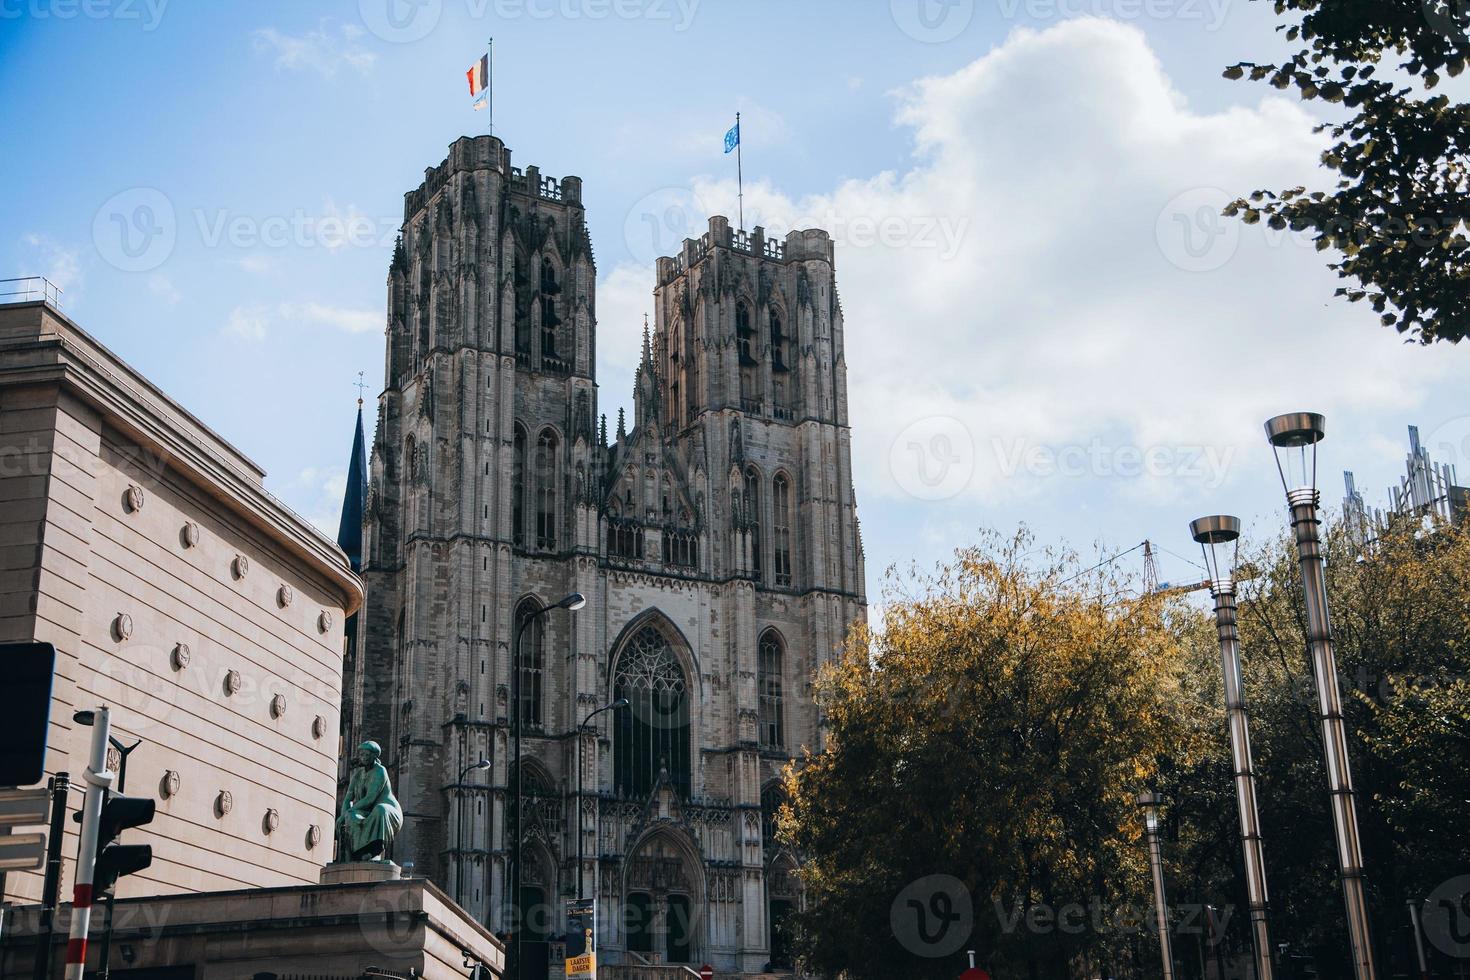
[1294, 439]
[483, 764]
[619, 704]
[1150, 801]
[573, 602]
[1296, 429]
[1217, 536]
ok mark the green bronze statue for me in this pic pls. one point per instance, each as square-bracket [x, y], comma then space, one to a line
[370, 814]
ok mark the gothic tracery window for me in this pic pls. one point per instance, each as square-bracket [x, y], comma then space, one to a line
[781, 528]
[518, 489]
[546, 481]
[753, 517]
[652, 733]
[533, 663]
[768, 679]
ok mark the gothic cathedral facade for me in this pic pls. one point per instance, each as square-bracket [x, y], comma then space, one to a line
[715, 539]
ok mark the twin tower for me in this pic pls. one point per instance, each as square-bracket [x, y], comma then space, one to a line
[716, 541]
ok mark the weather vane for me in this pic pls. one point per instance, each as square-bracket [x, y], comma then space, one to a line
[360, 386]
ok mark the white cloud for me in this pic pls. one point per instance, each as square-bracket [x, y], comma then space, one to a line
[163, 287]
[1052, 274]
[61, 265]
[258, 264]
[252, 323]
[322, 50]
[248, 323]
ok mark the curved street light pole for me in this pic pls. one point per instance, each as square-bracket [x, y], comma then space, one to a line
[573, 602]
[483, 764]
[614, 706]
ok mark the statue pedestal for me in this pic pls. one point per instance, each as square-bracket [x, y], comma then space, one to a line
[354, 872]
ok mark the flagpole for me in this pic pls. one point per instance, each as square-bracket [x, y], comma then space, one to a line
[740, 169]
[490, 85]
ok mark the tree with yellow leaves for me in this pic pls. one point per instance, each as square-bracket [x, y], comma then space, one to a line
[986, 743]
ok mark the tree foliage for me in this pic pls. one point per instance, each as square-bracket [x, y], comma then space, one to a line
[997, 729]
[1397, 214]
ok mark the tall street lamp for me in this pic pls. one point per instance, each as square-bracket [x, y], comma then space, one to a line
[1219, 538]
[1150, 802]
[614, 706]
[480, 766]
[1294, 439]
[573, 602]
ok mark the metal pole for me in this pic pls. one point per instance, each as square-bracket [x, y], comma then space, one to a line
[60, 787]
[123, 751]
[517, 913]
[1156, 863]
[1418, 939]
[1306, 524]
[1245, 780]
[99, 781]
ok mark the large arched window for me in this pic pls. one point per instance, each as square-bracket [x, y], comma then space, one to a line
[781, 528]
[772, 734]
[518, 489]
[749, 344]
[652, 733]
[533, 662]
[546, 467]
[753, 517]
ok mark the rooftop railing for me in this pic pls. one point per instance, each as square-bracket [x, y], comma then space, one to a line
[30, 289]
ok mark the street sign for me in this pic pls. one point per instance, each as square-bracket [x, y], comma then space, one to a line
[974, 973]
[28, 669]
[706, 972]
[22, 852]
[24, 807]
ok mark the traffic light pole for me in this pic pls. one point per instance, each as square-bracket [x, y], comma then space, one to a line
[123, 751]
[60, 789]
[99, 780]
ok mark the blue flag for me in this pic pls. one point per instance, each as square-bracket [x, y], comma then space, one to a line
[732, 138]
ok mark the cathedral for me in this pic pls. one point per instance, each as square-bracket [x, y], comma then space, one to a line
[713, 542]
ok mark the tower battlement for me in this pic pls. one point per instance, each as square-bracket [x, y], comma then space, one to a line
[470, 153]
[798, 246]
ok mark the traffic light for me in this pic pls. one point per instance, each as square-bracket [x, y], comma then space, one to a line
[115, 860]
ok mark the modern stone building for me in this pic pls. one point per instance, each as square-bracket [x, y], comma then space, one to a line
[716, 541]
[392, 930]
[181, 594]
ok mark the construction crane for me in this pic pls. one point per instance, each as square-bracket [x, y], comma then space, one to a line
[1151, 585]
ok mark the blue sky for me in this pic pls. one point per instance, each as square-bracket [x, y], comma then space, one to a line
[1044, 322]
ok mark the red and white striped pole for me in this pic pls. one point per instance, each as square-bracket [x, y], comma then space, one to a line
[99, 780]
